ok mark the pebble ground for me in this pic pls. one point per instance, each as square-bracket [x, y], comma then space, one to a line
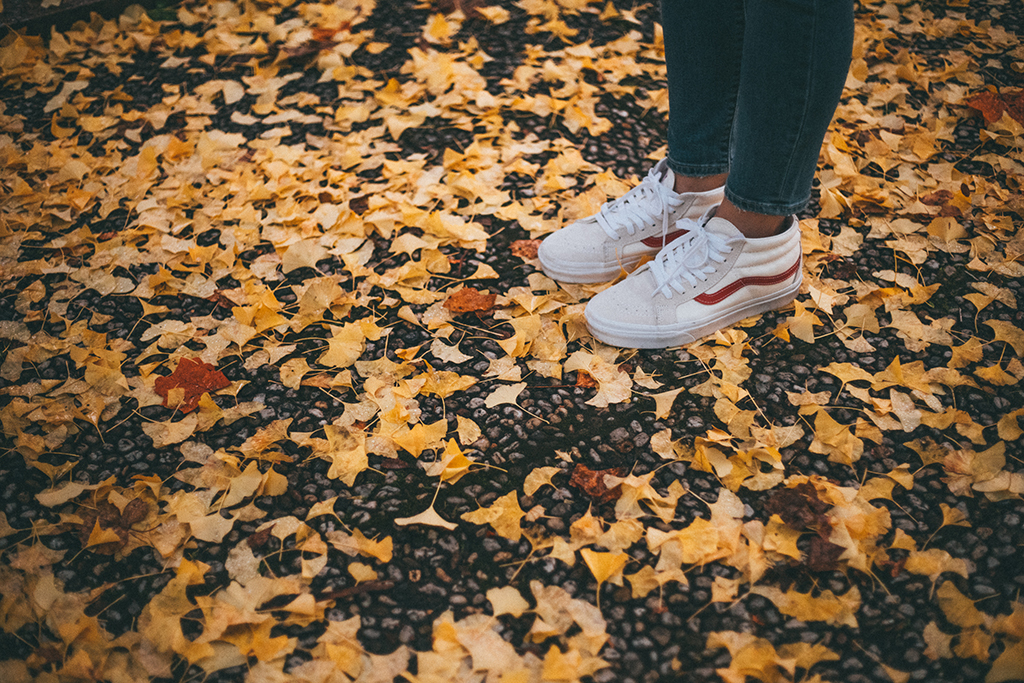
[659, 638]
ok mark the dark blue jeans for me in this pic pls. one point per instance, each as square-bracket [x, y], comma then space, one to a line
[753, 85]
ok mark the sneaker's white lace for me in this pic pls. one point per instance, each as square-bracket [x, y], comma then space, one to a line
[635, 209]
[691, 258]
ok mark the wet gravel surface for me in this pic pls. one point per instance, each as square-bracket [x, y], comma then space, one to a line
[658, 638]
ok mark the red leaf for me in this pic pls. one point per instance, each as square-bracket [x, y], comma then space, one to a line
[194, 377]
[993, 104]
[592, 482]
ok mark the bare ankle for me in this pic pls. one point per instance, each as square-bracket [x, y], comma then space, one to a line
[688, 183]
[749, 223]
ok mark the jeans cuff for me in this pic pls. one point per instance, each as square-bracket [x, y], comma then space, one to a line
[697, 170]
[769, 208]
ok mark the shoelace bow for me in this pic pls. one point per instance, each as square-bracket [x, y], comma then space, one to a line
[635, 208]
[690, 258]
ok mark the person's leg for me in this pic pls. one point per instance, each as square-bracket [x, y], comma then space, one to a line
[703, 52]
[747, 258]
[703, 42]
[796, 54]
[780, 66]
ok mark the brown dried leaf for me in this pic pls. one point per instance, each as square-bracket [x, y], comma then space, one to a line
[134, 512]
[800, 507]
[823, 555]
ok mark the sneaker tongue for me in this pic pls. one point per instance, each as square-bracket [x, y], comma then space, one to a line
[722, 227]
[668, 178]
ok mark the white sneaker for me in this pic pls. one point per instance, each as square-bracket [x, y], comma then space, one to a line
[709, 279]
[638, 224]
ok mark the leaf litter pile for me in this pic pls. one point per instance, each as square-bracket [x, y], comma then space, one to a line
[286, 397]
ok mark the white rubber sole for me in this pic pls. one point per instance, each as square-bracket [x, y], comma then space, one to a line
[633, 336]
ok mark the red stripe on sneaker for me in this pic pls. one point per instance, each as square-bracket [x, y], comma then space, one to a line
[656, 242]
[709, 298]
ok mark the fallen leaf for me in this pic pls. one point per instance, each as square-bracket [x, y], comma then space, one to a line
[503, 516]
[194, 378]
[605, 566]
[525, 249]
[361, 572]
[1008, 664]
[469, 300]
[663, 402]
[303, 254]
[828, 607]
[934, 562]
[506, 393]
[992, 105]
[507, 600]
[428, 517]
[167, 433]
[538, 477]
[1009, 333]
[958, 608]
[593, 484]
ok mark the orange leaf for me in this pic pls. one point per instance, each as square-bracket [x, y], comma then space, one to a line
[525, 249]
[469, 300]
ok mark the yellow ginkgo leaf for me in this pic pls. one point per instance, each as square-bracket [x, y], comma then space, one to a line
[827, 607]
[958, 608]
[440, 30]
[506, 393]
[167, 433]
[605, 566]
[503, 515]
[1009, 333]
[358, 544]
[933, 562]
[1008, 664]
[896, 675]
[100, 536]
[507, 600]
[539, 476]
[494, 14]
[361, 572]
[346, 452]
[451, 465]
[953, 516]
[468, 430]
[663, 402]
[303, 254]
[724, 590]
[428, 517]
